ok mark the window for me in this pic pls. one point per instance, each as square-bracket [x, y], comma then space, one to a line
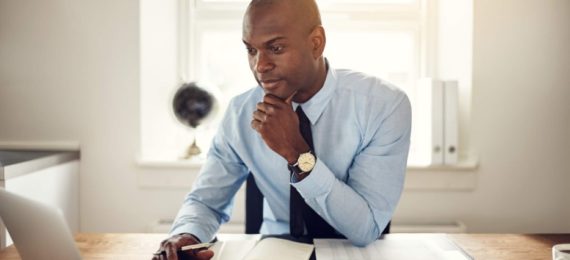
[396, 37]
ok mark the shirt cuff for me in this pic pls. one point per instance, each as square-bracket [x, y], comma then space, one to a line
[202, 235]
[318, 183]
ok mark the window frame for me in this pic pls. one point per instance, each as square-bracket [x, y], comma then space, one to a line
[416, 17]
[419, 14]
[196, 16]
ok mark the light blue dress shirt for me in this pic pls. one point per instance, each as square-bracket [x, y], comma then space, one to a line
[361, 132]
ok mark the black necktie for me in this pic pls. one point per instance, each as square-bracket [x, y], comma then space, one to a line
[300, 213]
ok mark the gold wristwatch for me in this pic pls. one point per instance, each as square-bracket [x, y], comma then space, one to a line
[305, 163]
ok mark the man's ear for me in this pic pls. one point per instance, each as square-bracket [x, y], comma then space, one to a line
[318, 40]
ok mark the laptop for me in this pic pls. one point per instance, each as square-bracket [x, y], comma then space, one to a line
[38, 231]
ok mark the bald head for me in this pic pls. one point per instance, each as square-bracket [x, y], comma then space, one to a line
[300, 14]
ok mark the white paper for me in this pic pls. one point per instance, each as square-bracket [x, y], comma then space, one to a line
[420, 247]
[279, 249]
[233, 249]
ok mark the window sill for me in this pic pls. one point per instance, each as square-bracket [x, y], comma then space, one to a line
[468, 164]
[458, 177]
[195, 163]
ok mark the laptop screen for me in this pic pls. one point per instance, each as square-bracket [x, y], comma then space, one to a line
[38, 231]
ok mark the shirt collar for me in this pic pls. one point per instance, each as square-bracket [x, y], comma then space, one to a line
[315, 106]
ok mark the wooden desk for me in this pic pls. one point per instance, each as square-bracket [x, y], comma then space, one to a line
[480, 246]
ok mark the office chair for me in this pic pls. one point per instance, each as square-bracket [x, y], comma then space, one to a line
[254, 208]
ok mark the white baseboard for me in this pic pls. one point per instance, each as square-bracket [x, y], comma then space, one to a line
[450, 227]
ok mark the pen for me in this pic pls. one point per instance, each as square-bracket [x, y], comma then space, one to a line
[189, 247]
[197, 246]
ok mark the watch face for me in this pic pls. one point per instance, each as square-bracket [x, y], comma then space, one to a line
[306, 162]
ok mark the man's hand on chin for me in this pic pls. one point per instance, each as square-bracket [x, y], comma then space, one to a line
[278, 125]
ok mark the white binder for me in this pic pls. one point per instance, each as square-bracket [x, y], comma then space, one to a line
[428, 114]
[450, 122]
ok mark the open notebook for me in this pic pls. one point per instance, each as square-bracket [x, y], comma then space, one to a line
[268, 248]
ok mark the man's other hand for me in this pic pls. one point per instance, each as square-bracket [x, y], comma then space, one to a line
[169, 249]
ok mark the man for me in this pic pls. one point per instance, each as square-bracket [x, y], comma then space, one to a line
[336, 140]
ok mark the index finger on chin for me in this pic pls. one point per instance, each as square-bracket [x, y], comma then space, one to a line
[273, 100]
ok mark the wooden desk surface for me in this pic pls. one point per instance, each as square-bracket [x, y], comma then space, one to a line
[480, 246]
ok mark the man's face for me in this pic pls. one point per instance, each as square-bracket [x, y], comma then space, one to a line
[279, 52]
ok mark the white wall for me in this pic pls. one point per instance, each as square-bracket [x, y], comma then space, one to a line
[520, 123]
[70, 70]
